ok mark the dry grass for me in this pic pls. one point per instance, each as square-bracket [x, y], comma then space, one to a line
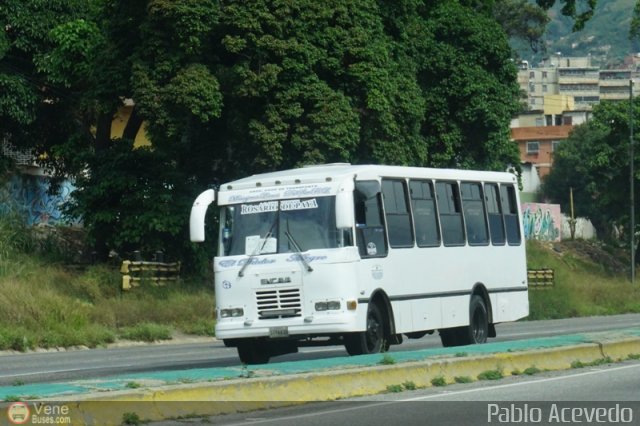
[582, 287]
[44, 305]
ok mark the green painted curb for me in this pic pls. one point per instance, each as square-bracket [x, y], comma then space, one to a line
[246, 394]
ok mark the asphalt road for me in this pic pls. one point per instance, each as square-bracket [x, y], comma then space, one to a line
[571, 396]
[94, 363]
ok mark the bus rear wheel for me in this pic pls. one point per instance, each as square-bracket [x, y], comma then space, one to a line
[478, 321]
[476, 332]
[372, 340]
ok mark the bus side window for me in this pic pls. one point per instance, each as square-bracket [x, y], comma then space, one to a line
[396, 209]
[474, 214]
[496, 221]
[425, 215]
[370, 235]
[510, 210]
[450, 213]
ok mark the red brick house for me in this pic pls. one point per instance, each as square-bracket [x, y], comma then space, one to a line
[538, 143]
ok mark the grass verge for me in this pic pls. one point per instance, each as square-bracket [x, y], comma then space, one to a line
[44, 305]
[584, 284]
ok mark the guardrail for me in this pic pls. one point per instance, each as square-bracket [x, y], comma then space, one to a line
[542, 278]
[157, 273]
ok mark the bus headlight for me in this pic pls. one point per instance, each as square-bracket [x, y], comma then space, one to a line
[330, 305]
[231, 313]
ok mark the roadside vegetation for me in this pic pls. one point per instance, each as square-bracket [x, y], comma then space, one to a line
[47, 303]
[590, 279]
[44, 303]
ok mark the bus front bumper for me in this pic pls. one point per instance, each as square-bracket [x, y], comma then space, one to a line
[315, 325]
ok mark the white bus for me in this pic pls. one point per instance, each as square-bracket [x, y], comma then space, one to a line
[362, 255]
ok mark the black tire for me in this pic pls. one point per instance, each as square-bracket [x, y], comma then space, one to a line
[252, 351]
[475, 333]
[373, 339]
[450, 337]
[478, 330]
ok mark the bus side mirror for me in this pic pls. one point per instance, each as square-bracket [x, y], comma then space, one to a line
[198, 212]
[344, 210]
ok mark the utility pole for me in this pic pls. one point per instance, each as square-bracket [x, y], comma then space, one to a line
[631, 181]
[572, 221]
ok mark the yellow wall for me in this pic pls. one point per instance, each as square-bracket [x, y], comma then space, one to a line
[556, 104]
[119, 123]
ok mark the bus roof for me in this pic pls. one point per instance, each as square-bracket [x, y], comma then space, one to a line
[336, 172]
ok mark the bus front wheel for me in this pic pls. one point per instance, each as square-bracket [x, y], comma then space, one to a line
[252, 351]
[372, 340]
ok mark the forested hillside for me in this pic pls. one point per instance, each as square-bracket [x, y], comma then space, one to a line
[605, 37]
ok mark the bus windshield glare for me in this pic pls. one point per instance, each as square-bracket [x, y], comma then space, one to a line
[279, 226]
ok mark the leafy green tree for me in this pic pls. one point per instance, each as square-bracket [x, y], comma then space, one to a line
[468, 83]
[522, 19]
[579, 10]
[582, 10]
[594, 161]
[33, 107]
[233, 88]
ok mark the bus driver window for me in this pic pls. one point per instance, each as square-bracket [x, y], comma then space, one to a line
[370, 230]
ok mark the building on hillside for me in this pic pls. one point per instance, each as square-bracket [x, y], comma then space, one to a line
[576, 117]
[558, 110]
[536, 145]
[580, 82]
[574, 77]
[614, 84]
[632, 62]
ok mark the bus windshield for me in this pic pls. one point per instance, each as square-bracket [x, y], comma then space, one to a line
[279, 226]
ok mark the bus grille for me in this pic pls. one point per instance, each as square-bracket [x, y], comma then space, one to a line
[279, 303]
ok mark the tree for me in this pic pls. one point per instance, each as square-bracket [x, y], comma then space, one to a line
[522, 19]
[594, 161]
[32, 106]
[579, 10]
[67, 67]
[468, 81]
[234, 88]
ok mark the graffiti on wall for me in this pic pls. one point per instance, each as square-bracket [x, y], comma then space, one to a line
[542, 221]
[31, 197]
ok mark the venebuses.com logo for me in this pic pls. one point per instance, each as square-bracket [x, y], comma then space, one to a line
[18, 413]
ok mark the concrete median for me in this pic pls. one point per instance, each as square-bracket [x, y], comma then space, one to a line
[267, 386]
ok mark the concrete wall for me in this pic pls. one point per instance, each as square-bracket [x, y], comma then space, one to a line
[584, 229]
[530, 178]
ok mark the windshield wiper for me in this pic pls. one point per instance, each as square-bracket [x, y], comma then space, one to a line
[258, 249]
[297, 247]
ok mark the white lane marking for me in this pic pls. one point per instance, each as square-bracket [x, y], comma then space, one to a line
[60, 371]
[250, 421]
[549, 379]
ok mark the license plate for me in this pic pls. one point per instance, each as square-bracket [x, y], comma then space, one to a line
[278, 332]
